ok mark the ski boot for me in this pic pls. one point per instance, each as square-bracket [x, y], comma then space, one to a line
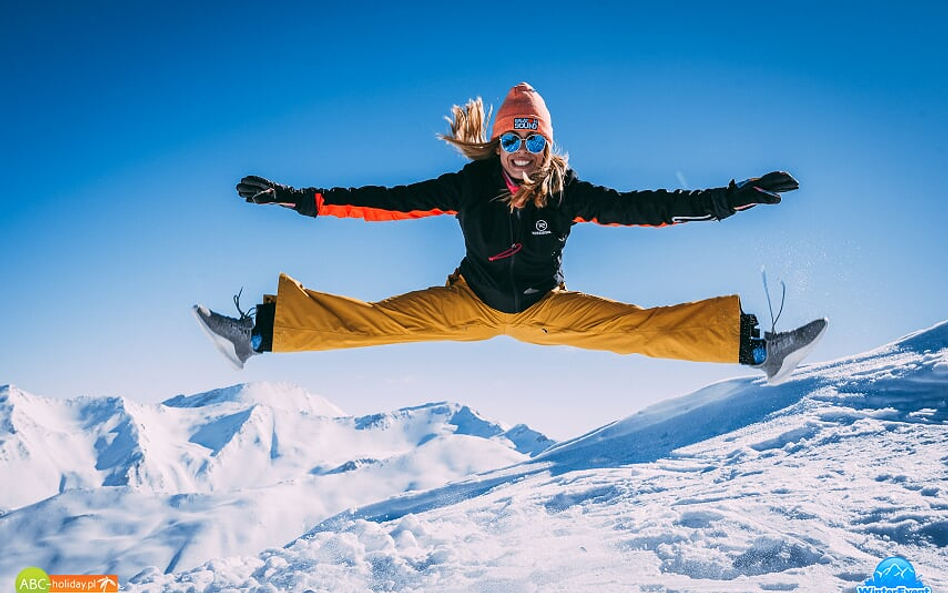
[232, 337]
[785, 350]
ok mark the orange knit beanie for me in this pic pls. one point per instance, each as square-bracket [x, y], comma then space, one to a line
[523, 109]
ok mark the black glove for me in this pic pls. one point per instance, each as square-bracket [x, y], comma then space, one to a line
[760, 190]
[263, 191]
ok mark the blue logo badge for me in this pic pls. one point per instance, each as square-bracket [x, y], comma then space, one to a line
[894, 575]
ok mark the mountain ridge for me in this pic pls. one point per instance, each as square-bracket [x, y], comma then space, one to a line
[177, 446]
[96, 464]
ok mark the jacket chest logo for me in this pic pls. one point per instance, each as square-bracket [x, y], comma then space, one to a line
[541, 228]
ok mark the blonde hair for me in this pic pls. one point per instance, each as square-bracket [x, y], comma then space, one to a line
[469, 136]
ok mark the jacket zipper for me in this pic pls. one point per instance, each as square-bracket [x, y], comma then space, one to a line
[513, 256]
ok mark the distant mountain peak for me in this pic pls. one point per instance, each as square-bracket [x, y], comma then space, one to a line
[280, 396]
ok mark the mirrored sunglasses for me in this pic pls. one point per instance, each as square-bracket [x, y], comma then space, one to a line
[511, 142]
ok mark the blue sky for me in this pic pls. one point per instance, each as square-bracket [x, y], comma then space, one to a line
[127, 125]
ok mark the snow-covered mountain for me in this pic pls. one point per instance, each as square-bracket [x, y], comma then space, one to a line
[736, 487]
[222, 473]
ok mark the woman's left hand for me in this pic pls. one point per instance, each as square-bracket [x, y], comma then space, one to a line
[760, 190]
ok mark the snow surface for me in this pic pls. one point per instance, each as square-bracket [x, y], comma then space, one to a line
[736, 487]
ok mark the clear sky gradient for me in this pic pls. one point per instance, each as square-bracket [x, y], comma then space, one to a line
[127, 125]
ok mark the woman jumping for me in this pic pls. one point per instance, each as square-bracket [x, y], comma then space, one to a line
[516, 202]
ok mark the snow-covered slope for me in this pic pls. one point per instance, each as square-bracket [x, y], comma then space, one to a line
[737, 487]
[227, 472]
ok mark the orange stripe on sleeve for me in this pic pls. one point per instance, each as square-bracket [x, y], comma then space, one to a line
[372, 214]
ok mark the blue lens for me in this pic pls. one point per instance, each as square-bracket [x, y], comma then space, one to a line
[536, 143]
[510, 142]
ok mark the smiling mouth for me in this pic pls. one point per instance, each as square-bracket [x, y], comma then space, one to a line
[522, 162]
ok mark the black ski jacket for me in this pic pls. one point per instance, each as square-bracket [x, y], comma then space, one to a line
[515, 258]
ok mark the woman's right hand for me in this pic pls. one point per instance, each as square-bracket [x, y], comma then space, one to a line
[258, 190]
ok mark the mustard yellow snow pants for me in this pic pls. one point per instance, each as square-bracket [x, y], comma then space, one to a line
[704, 331]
